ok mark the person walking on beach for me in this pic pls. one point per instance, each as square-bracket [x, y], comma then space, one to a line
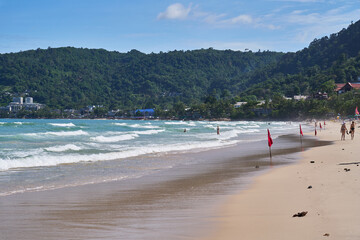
[352, 130]
[343, 129]
[218, 130]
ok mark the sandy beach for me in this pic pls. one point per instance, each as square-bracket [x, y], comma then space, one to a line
[177, 203]
[265, 210]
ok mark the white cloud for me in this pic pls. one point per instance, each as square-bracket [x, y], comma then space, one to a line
[212, 18]
[175, 11]
[246, 19]
[313, 25]
[219, 20]
[298, 11]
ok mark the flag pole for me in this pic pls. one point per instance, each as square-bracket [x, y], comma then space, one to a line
[270, 142]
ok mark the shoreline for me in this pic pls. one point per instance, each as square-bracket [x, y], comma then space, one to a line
[265, 209]
[177, 204]
[305, 120]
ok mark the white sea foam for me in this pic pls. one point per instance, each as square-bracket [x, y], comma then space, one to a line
[27, 153]
[29, 189]
[175, 123]
[63, 148]
[62, 124]
[280, 123]
[135, 125]
[142, 126]
[51, 160]
[227, 123]
[251, 126]
[60, 134]
[21, 123]
[210, 126]
[148, 127]
[109, 144]
[120, 124]
[118, 138]
[149, 132]
[225, 135]
[192, 124]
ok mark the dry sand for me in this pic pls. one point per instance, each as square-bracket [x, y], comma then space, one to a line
[266, 209]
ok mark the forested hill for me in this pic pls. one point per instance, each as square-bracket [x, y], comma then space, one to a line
[71, 77]
[316, 68]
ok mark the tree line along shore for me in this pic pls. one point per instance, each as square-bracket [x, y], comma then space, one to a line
[204, 83]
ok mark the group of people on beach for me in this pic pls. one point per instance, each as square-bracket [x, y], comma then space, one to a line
[344, 130]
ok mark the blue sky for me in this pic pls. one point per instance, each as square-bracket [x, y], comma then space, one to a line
[165, 25]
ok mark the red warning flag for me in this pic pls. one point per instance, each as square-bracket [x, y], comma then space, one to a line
[315, 132]
[320, 126]
[301, 133]
[270, 141]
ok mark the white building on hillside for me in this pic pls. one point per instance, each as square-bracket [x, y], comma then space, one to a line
[239, 104]
[29, 100]
[18, 103]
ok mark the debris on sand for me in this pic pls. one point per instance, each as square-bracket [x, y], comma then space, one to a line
[300, 214]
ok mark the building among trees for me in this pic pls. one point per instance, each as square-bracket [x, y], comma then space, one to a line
[345, 87]
[18, 103]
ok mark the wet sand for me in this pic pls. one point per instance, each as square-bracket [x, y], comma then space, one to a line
[265, 210]
[179, 203]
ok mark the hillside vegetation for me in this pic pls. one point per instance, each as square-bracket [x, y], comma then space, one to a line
[71, 77]
[207, 80]
[329, 60]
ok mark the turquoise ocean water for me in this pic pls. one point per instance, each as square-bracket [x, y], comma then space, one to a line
[47, 154]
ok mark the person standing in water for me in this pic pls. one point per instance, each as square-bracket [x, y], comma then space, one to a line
[218, 130]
